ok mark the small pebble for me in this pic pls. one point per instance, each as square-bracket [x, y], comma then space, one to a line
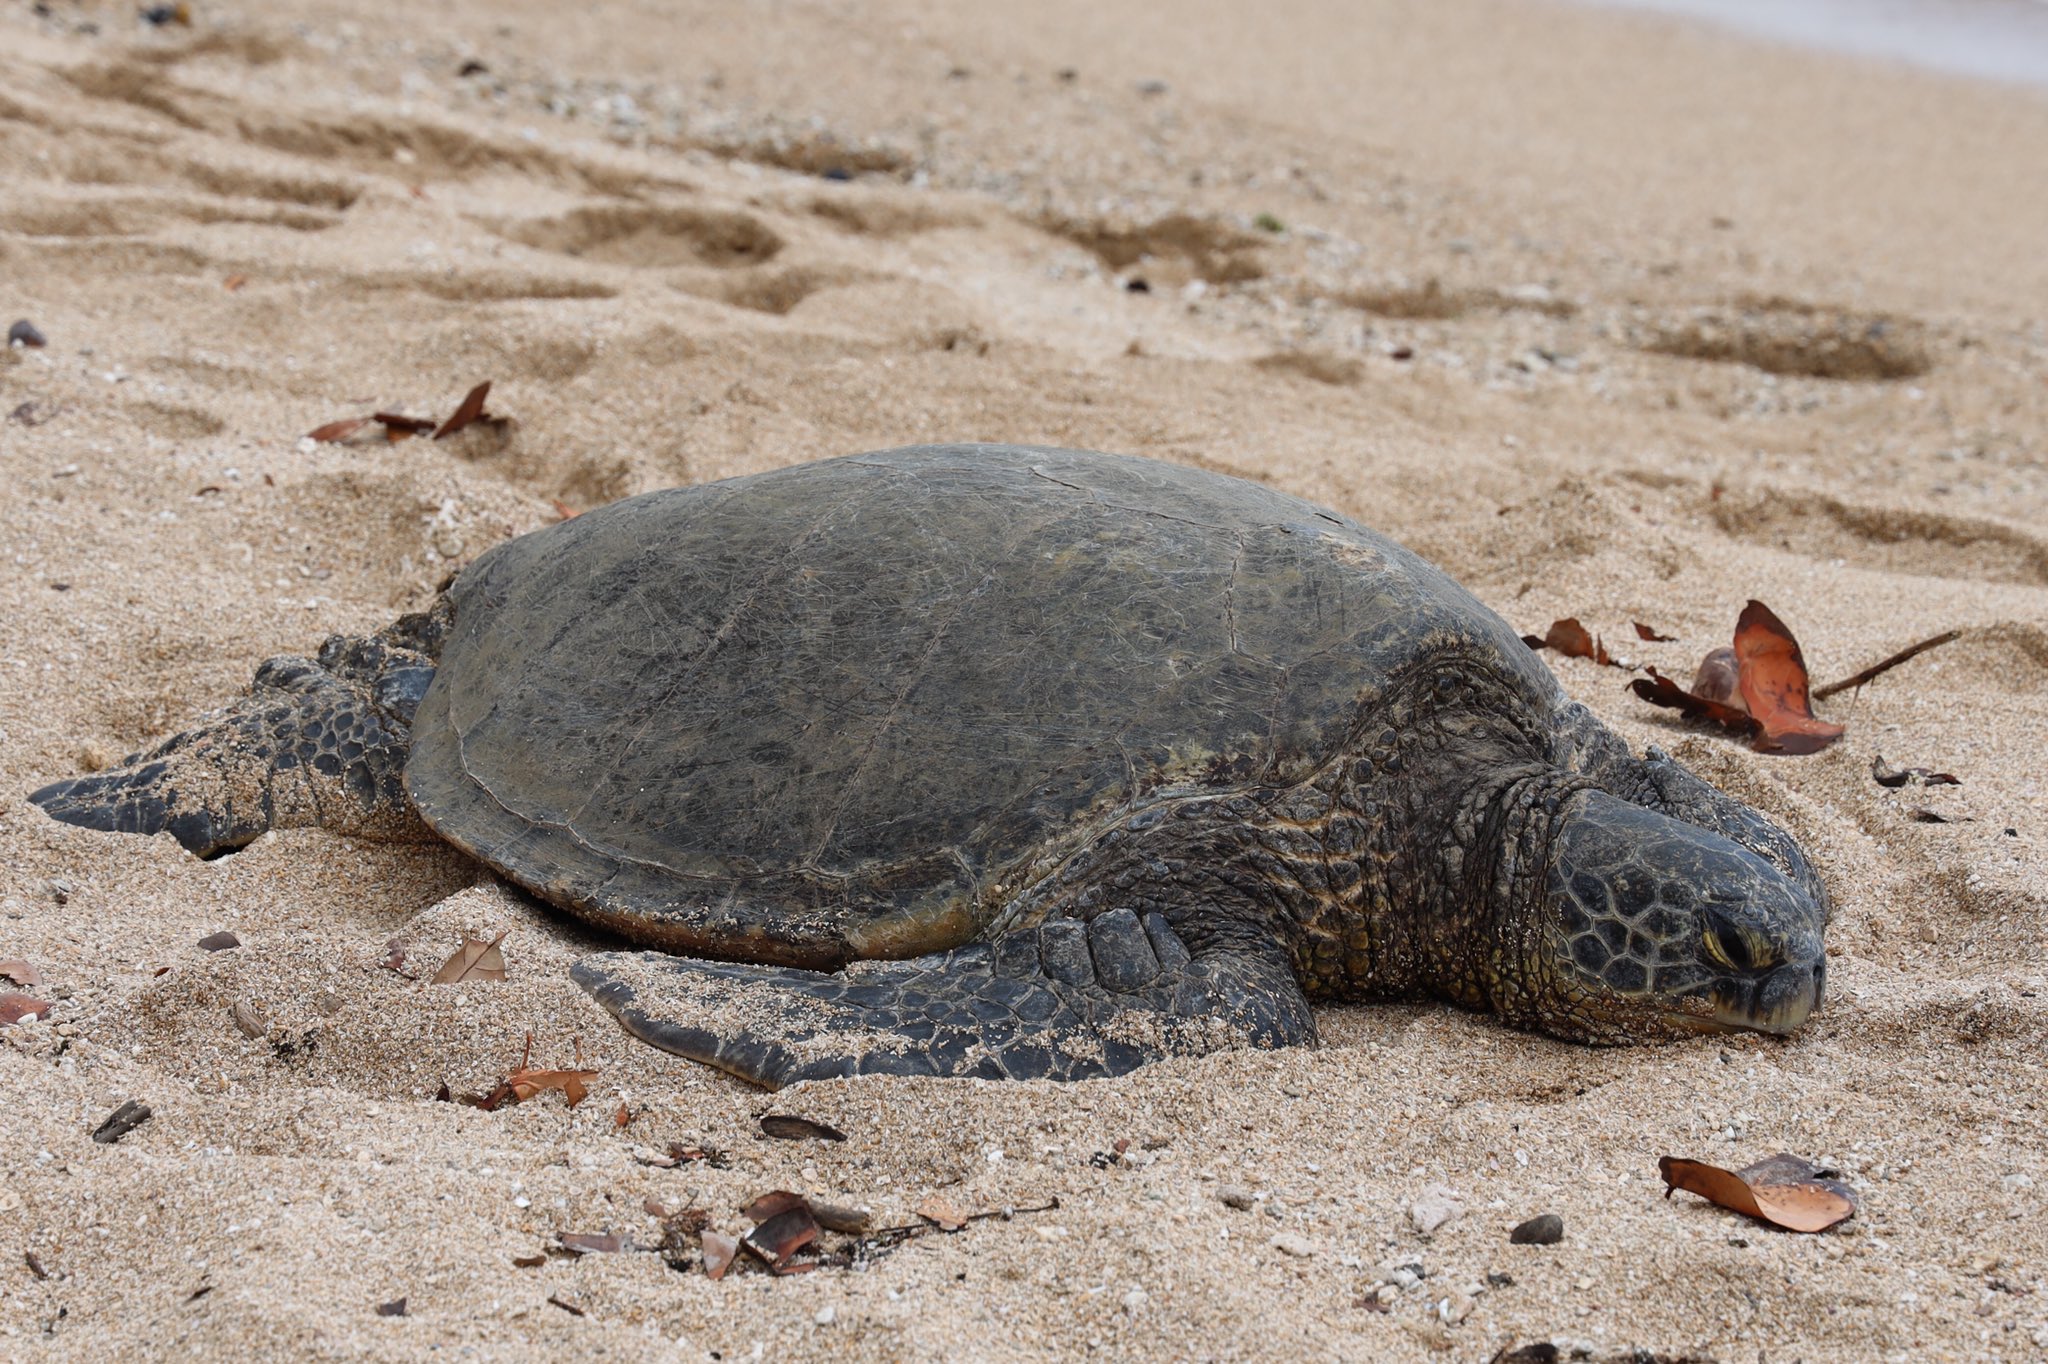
[1293, 1243]
[1236, 1196]
[60, 890]
[24, 333]
[826, 1315]
[249, 1019]
[1544, 1230]
[220, 942]
[1135, 1299]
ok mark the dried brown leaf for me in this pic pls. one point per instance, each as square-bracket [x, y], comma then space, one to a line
[471, 410]
[394, 1308]
[782, 1236]
[1572, 640]
[21, 973]
[1773, 677]
[789, 1127]
[592, 1243]
[1883, 773]
[233, 283]
[476, 959]
[773, 1204]
[528, 1261]
[525, 1082]
[397, 424]
[19, 1008]
[719, 1250]
[710, 1155]
[1784, 1191]
[336, 432]
[1660, 690]
[1651, 635]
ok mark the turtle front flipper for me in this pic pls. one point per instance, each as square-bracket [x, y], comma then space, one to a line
[313, 743]
[1066, 1001]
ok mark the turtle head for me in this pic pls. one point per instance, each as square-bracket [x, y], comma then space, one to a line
[1649, 926]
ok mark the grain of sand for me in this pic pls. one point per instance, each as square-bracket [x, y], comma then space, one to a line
[1610, 316]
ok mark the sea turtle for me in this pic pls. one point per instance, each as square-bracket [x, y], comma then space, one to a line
[1007, 761]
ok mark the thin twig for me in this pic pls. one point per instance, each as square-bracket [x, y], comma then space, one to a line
[1858, 679]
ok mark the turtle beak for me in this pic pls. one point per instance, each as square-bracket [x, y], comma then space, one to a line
[1778, 1002]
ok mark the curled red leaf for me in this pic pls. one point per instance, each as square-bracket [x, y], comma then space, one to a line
[1772, 673]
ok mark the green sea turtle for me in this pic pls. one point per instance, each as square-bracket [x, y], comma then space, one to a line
[1000, 761]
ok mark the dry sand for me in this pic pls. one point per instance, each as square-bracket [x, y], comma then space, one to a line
[1685, 321]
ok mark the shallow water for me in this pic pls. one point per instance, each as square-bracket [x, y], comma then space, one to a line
[1999, 39]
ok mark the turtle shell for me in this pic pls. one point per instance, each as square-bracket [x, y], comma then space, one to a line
[842, 710]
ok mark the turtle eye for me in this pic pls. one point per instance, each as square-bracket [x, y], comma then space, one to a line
[1726, 943]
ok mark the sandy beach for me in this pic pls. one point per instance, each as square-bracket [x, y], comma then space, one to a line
[1610, 315]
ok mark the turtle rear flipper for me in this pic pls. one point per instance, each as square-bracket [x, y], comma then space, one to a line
[1067, 1001]
[313, 743]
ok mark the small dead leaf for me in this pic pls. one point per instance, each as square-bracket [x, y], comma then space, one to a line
[334, 433]
[35, 1264]
[782, 1236]
[622, 1117]
[1923, 815]
[563, 510]
[121, 1122]
[1660, 690]
[394, 1308]
[1653, 636]
[18, 1008]
[234, 283]
[941, 1213]
[525, 1082]
[789, 1127]
[592, 1243]
[528, 1261]
[397, 426]
[222, 941]
[249, 1019]
[773, 1204]
[1783, 1190]
[21, 973]
[476, 959]
[710, 1155]
[471, 410]
[1572, 640]
[719, 1250]
[1883, 773]
[1773, 677]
